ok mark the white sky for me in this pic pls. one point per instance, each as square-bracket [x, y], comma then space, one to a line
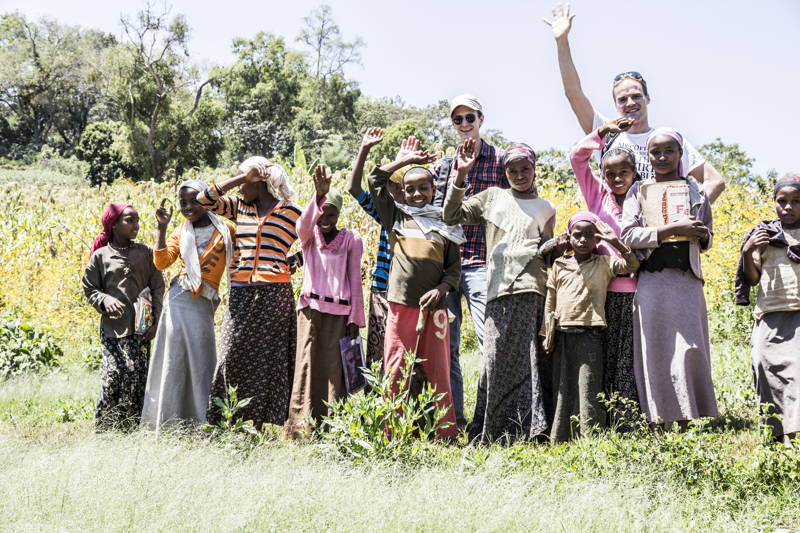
[715, 68]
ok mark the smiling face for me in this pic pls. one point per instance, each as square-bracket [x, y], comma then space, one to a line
[466, 129]
[127, 226]
[630, 100]
[583, 238]
[521, 175]
[787, 206]
[418, 187]
[665, 155]
[190, 209]
[619, 173]
[328, 219]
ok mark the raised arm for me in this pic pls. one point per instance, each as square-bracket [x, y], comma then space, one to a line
[372, 137]
[213, 199]
[591, 186]
[581, 106]
[712, 181]
[456, 210]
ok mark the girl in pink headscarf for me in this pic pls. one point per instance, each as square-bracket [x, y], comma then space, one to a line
[575, 315]
[668, 220]
[119, 279]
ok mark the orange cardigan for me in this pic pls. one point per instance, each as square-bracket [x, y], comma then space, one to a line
[212, 261]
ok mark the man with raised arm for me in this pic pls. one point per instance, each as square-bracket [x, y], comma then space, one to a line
[631, 98]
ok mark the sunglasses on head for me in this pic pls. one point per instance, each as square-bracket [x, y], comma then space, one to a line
[469, 117]
[630, 74]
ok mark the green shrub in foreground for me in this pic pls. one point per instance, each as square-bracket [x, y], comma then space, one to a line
[376, 424]
[25, 349]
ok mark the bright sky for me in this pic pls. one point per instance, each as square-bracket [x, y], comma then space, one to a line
[715, 68]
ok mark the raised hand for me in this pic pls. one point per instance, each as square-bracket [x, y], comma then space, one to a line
[163, 216]
[419, 157]
[466, 155]
[757, 241]
[322, 180]
[605, 232]
[257, 173]
[408, 146]
[372, 137]
[617, 125]
[562, 21]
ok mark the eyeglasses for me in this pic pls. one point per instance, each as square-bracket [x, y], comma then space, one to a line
[630, 74]
[469, 117]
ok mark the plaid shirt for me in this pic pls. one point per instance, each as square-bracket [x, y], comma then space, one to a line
[487, 172]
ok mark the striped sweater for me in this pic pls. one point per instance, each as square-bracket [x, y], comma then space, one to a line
[261, 244]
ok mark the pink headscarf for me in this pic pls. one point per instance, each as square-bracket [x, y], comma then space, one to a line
[111, 214]
[519, 151]
[581, 216]
[673, 133]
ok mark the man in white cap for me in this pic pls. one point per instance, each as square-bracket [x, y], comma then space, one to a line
[466, 114]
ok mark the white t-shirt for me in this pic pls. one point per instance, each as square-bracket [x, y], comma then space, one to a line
[637, 143]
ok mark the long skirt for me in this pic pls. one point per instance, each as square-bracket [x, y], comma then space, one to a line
[376, 333]
[433, 347]
[775, 357]
[183, 361]
[318, 374]
[123, 380]
[512, 404]
[619, 377]
[672, 357]
[257, 353]
[577, 380]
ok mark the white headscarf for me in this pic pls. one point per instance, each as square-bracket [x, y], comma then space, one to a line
[191, 259]
[278, 181]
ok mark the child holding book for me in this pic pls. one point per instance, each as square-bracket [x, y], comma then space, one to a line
[116, 282]
[575, 308]
[185, 353]
[672, 358]
[770, 258]
[425, 266]
[516, 221]
[330, 307]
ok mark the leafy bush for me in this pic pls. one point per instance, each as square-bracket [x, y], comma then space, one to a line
[378, 424]
[25, 349]
[232, 428]
[102, 146]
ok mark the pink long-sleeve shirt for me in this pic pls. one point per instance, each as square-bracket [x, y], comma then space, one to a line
[332, 271]
[600, 201]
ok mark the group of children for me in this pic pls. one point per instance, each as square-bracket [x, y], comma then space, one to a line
[615, 305]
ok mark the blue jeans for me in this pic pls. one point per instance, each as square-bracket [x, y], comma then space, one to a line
[472, 286]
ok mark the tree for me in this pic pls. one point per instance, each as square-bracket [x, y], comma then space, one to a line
[158, 93]
[261, 91]
[329, 52]
[50, 84]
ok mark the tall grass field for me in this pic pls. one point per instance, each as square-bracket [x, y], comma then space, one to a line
[57, 474]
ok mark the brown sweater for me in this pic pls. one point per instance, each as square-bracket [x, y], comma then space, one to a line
[122, 275]
[419, 262]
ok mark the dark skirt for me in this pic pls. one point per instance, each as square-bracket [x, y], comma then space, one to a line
[775, 358]
[577, 379]
[318, 374]
[257, 353]
[122, 382]
[511, 403]
[619, 377]
[378, 311]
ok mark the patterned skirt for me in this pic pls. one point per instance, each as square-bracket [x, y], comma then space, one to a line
[513, 404]
[123, 381]
[257, 353]
[618, 368]
[378, 311]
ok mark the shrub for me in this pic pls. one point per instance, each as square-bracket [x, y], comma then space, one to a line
[25, 349]
[102, 147]
[376, 424]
